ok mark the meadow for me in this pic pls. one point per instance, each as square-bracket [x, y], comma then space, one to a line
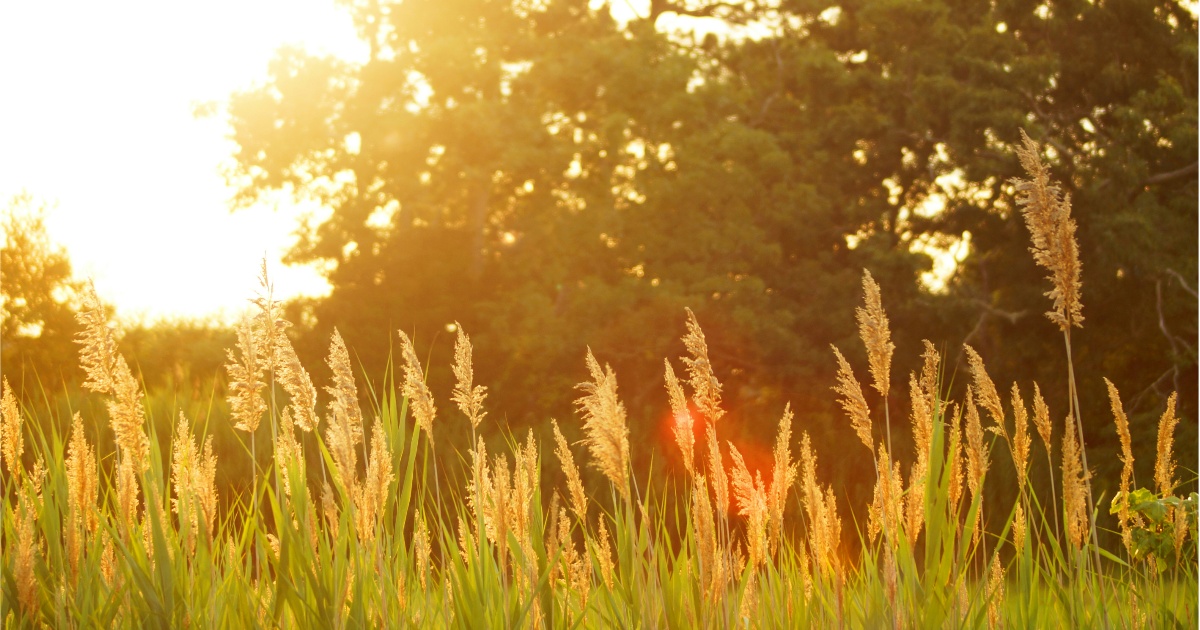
[349, 525]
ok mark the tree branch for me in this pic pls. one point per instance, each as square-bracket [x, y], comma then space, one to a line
[1178, 173]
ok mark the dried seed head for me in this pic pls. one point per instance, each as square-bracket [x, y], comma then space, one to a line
[478, 486]
[977, 460]
[915, 501]
[127, 495]
[852, 401]
[875, 334]
[422, 549]
[246, 404]
[183, 463]
[12, 444]
[706, 389]
[1019, 529]
[929, 372]
[604, 422]
[604, 554]
[752, 504]
[922, 420]
[706, 536]
[468, 396]
[370, 497]
[82, 484]
[995, 592]
[574, 482]
[683, 425]
[1041, 417]
[1048, 217]
[1122, 421]
[1074, 482]
[955, 458]
[345, 424]
[1179, 531]
[716, 470]
[985, 389]
[420, 399]
[1164, 463]
[297, 383]
[782, 477]
[26, 556]
[886, 512]
[108, 373]
[1021, 440]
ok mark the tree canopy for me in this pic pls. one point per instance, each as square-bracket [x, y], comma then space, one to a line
[552, 178]
[38, 295]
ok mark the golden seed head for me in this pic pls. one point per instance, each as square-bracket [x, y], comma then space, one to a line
[1021, 439]
[108, 373]
[183, 463]
[345, 423]
[977, 460]
[478, 486]
[852, 401]
[26, 551]
[604, 552]
[1041, 417]
[12, 444]
[716, 470]
[99, 352]
[297, 383]
[1122, 422]
[985, 389]
[1074, 482]
[922, 420]
[706, 536]
[604, 422]
[955, 458]
[420, 399]
[1164, 463]
[683, 425]
[706, 389]
[1179, 531]
[246, 405]
[745, 490]
[915, 501]
[422, 549]
[875, 334]
[574, 482]
[468, 396]
[995, 592]
[82, 484]
[370, 497]
[782, 477]
[1048, 217]
[886, 512]
[929, 372]
[1019, 528]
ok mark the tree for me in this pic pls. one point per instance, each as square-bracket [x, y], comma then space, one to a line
[37, 299]
[551, 178]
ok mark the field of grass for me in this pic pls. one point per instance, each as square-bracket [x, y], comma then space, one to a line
[348, 525]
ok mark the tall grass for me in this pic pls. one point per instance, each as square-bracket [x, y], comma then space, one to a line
[347, 525]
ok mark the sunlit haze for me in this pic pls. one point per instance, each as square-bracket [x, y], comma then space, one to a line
[97, 122]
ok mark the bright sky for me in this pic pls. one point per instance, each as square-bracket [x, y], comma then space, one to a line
[96, 120]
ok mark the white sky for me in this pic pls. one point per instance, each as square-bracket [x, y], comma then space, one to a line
[96, 120]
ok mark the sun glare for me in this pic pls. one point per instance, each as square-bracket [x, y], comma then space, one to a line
[98, 122]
